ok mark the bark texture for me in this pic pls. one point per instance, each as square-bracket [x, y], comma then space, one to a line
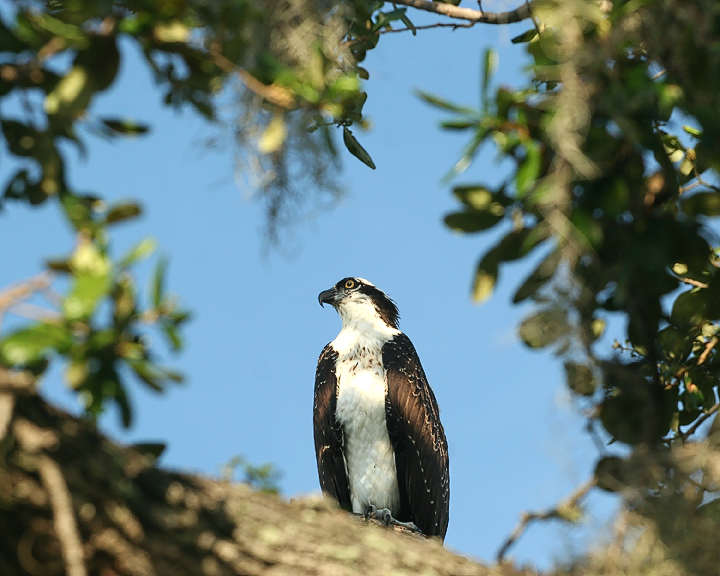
[74, 502]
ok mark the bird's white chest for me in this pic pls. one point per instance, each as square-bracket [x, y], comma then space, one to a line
[360, 408]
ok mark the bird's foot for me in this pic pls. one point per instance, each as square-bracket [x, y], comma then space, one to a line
[385, 516]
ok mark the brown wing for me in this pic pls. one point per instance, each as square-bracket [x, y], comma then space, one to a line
[328, 432]
[418, 438]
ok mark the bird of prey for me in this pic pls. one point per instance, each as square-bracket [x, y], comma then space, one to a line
[380, 446]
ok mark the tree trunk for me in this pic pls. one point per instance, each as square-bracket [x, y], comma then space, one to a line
[73, 502]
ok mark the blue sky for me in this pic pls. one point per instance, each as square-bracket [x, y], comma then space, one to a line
[516, 439]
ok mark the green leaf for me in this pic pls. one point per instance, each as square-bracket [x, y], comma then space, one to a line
[405, 20]
[441, 102]
[28, 345]
[22, 140]
[689, 308]
[610, 474]
[124, 127]
[173, 335]
[526, 36]
[385, 18]
[274, 135]
[544, 327]
[693, 131]
[87, 291]
[472, 220]
[92, 271]
[485, 277]
[482, 198]
[72, 94]
[148, 373]
[630, 411]
[73, 34]
[519, 243]
[123, 211]
[79, 210]
[701, 203]
[355, 149]
[529, 169]
[158, 282]
[140, 251]
[538, 277]
[468, 154]
[580, 378]
[459, 124]
[123, 403]
[490, 60]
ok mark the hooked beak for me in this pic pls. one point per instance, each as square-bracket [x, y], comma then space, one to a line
[328, 297]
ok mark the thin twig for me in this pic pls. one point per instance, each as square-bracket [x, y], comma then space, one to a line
[706, 414]
[273, 93]
[451, 11]
[24, 289]
[454, 26]
[692, 282]
[559, 512]
[689, 187]
[708, 348]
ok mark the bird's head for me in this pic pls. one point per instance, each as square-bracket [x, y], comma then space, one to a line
[358, 300]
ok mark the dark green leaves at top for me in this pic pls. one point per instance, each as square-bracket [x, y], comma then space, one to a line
[355, 149]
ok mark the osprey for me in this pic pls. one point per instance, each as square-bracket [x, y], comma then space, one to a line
[380, 446]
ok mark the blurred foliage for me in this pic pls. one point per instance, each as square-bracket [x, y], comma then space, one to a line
[264, 477]
[292, 67]
[614, 151]
[615, 159]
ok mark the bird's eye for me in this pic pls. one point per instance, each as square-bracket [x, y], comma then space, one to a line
[350, 284]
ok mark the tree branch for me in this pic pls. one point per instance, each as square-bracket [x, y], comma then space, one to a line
[273, 93]
[66, 528]
[453, 25]
[451, 11]
[565, 510]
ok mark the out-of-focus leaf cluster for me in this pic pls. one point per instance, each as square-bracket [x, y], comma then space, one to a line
[101, 328]
[296, 64]
[264, 477]
[615, 161]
